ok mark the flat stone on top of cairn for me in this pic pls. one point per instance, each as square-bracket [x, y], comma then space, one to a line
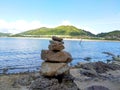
[57, 38]
[56, 60]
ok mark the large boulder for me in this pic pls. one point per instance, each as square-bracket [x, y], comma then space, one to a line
[54, 69]
[53, 56]
[56, 46]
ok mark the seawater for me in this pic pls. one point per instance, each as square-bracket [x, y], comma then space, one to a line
[23, 54]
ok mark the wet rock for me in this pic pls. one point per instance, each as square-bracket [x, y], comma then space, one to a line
[52, 56]
[57, 39]
[54, 69]
[116, 58]
[89, 73]
[99, 67]
[116, 63]
[97, 88]
[87, 58]
[87, 66]
[114, 66]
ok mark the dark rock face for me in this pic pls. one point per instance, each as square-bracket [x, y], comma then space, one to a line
[97, 88]
[99, 67]
[52, 84]
[52, 56]
[89, 73]
[54, 69]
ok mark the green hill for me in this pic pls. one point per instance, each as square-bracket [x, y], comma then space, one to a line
[60, 30]
[114, 35]
[68, 31]
[4, 34]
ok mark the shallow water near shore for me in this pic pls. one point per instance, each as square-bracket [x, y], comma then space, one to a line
[23, 54]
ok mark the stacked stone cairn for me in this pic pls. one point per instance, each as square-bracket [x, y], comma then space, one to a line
[55, 59]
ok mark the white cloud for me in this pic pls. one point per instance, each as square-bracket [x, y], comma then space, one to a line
[18, 26]
[66, 22]
[23, 25]
[94, 27]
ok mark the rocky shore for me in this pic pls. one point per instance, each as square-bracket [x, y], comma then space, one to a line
[83, 76]
[56, 74]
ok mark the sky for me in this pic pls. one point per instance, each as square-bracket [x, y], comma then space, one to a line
[95, 16]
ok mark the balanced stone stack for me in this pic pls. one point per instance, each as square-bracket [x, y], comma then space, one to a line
[55, 59]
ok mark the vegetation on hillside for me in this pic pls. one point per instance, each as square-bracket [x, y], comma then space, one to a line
[60, 30]
[68, 31]
[4, 34]
[114, 35]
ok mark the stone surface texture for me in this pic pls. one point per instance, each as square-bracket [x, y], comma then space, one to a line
[56, 60]
[54, 69]
[53, 56]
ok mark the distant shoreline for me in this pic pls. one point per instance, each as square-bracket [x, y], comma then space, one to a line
[92, 40]
[74, 39]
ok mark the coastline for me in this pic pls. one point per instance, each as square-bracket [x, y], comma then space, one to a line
[108, 78]
[82, 76]
[71, 39]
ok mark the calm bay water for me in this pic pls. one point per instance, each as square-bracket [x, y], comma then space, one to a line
[21, 55]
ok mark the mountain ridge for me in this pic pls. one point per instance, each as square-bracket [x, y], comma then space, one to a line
[60, 30]
[66, 31]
